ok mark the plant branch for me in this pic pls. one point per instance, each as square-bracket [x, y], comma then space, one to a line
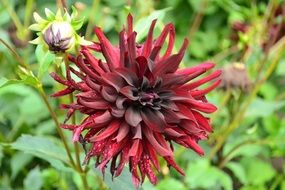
[91, 18]
[198, 19]
[18, 58]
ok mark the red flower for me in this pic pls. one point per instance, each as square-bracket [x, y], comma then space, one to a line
[138, 102]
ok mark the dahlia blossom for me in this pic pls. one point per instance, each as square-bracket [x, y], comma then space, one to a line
[137, 102]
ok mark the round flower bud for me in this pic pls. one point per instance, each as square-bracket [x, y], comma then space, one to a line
[58, 32]
[59, 36]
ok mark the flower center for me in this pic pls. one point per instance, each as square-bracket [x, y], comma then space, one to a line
[149, 98]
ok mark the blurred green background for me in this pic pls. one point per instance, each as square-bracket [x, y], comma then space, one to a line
[243, 37]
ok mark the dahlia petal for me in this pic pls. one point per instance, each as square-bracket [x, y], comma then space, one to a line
[63, 92]
[120, 102]
[135, 147]
[193, 145]
[104, 118]
[202, 66]
[172, 80]
[190, 127]
[70, 112]
[129, 76]
[122, 47]
[132, 51]
[77, 73]
[148, 43]
[95, 46]
[160, 40]
[123, 159]
[153, 119]
[198, 105]
[137, 131]
[204, 122]
[170, 64]
[58, 79]
[70, 127]
[88, 95]
[146, 167]
[111, 129]
[173, 133]
[76, 133]
[110, 53]
[163, 151]
[133, 116]
[202, 81]
[170, 116]
[80, 63]
[109, 93]
[117, 112]
[188, 113]
[129, 92]
[172, 163]
[123, 132]
[98, 104]
[153, 155]
[114, 80]
[171, 39]
[93, 61]
[130, 24]
[113, 166]
[92, 84]
[199, 93]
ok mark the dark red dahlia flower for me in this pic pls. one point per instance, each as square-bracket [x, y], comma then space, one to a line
[138, 102]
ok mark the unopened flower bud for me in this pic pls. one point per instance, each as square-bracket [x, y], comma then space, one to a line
[59, 36]
[58, 32]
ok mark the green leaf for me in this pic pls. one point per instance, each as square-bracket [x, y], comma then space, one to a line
[18, 162]
[201, 170]
[258, 172]
[143, 24]
[263, 108]
[44, 58]
[44, 148]
[238, 171]
[122, 182]
[28, 80]
[170, 183]
[33, 180]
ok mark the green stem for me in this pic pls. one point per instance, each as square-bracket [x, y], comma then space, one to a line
[18, 58]
[76, 147]
[198, 19]
[12, 14]
[57, 124]
[91, 18]
[28, 13]
[227, 157]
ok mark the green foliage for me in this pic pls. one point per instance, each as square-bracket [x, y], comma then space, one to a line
[251, 121]
[43, 148]
[202, 175]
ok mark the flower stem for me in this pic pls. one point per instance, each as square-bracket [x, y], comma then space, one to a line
[13, 15]
[91, 18]
[198, 19]
[59, 130]
[28, 12]
[76, 147]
